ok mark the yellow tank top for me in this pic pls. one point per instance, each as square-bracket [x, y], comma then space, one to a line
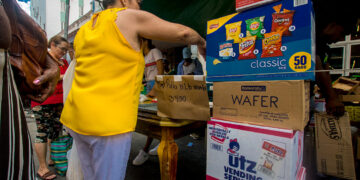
[104, 97]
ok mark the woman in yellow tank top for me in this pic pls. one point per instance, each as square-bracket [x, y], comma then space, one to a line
[101, 109]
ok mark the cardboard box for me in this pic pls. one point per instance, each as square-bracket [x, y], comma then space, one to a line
[354, 113]
[243, 151]
[301, 174]
[346, 85]
[334, 146]
[233, 55]
[316, 105]
[182, 97]
[282, 104]
[242, 5]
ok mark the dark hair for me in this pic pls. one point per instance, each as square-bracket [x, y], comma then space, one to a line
[107, 3]
[57, 40]
[344, 14]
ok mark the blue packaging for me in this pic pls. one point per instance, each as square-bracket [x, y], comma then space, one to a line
[286, 52]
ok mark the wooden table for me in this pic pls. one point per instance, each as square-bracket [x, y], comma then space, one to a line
[167, 130]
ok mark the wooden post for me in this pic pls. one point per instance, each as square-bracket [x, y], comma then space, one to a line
[167, 152]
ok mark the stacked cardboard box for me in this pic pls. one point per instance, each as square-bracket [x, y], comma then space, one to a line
[244, 151]
[259, 60]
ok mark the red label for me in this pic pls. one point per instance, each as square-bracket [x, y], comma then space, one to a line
[232, 30]
[241, 3]
[246, 45]
[274, 149]
[213, 26]
[254, 25]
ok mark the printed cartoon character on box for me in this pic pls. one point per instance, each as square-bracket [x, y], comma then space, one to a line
[239, 166]
[234, 146]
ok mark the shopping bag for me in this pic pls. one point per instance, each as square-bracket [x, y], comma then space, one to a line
[58, 152]
[68, 79]
[182, 97]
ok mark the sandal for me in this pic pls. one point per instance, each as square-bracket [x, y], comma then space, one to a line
[46, 175]
[51, 163]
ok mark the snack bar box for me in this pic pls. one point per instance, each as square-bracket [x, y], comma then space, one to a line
[280, 104]
[271, 42]
[243, 151]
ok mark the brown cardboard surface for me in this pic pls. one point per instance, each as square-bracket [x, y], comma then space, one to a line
[282, 104]
[350, 98]
[346, 85]
[334, 146]
[182, 97]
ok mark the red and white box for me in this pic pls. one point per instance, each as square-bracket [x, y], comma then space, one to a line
[301, 174]
[252, 152]
[242, 5]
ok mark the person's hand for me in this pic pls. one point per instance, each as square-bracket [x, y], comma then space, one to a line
[202, 48]
[47, 81]
[335, 107]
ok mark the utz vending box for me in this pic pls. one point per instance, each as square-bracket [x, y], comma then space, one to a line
[243, 151]
[271, 42]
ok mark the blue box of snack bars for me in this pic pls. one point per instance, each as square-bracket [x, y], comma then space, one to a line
[272, 42]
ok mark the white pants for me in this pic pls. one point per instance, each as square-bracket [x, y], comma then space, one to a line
[103, 157]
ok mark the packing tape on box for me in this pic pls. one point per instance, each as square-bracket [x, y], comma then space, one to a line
[159, 78]
[177, 78]
[198, 77]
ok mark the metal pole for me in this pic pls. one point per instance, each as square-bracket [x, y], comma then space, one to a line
[93, 6]
[66, 28]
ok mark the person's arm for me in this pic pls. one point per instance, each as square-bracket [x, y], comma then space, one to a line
[49, 78]
[180, 68]
[61, 77]
[333, 104]
[158, 56]
[5, 30]
[151, 27]
[160, 67]
[198, 67]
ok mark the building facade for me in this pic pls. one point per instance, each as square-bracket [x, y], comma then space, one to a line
[50, 14]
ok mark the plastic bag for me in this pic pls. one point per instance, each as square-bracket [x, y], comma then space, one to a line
[68, 79]
[74, 168]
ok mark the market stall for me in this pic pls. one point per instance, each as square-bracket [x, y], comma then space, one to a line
[259, 124]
